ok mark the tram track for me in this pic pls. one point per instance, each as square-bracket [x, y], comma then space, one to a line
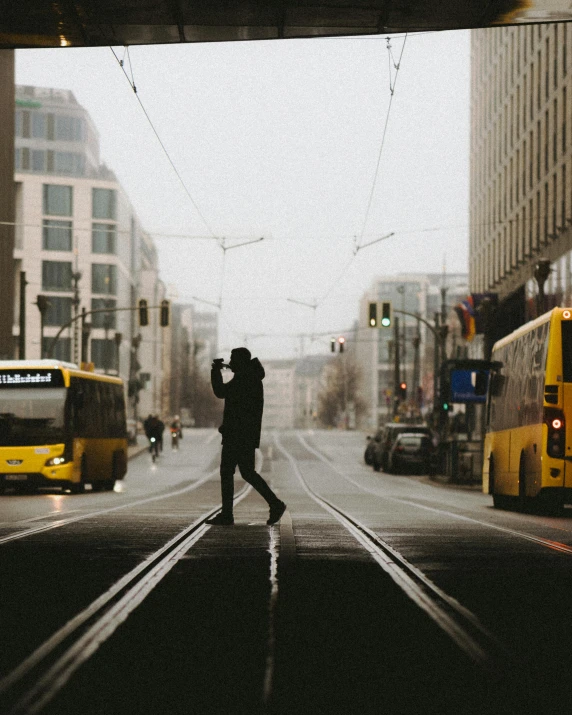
[547, 543]
[461, 625]
[57, 523]
[39, 677]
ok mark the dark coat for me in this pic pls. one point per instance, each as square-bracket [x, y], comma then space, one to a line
[243, 404]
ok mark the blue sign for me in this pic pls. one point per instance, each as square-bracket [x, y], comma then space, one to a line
[463, 383]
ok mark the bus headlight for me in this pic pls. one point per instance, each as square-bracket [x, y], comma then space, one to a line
[55, 461]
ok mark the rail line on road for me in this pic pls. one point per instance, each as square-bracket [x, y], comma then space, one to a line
[460, 624]
[46, 671]
[548, 543]
[71, 520]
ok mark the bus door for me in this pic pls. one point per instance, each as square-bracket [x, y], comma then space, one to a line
[566, 386]
[567, 402]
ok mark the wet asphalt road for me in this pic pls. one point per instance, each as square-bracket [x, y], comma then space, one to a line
[124, 603]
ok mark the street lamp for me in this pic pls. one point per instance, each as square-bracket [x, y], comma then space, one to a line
[43, 304]
[118, 339]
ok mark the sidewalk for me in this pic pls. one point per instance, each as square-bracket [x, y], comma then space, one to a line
[442, 480]
[135, 449]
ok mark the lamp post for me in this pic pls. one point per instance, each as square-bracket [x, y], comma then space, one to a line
[76, 276]
[85, 332]
[118, 338]
[43, 304]
[107, 325]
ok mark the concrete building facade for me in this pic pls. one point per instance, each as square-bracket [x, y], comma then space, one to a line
[81, 246]
[521, 167]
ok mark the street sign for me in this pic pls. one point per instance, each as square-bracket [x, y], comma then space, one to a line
[463, 384]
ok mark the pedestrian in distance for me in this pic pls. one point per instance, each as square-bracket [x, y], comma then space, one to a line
[241, 425]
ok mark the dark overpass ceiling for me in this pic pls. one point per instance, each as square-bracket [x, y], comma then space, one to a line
[88, 23]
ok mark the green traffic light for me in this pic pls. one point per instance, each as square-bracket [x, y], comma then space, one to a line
[446, 406]
[386, 322]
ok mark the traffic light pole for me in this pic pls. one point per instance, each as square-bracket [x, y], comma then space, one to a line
[397, 361]
[82, 316]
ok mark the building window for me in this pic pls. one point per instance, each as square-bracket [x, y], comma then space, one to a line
[60, 351]
[57, 275]
[24, 159]
[38, 125]
[103, 238]
[103, 278]
[57, 235]
[104, 354]
[57, 200]
[104, 203]
[100, 320]
[59, 310]
[69, 128]
[38, 161]
[50, 127]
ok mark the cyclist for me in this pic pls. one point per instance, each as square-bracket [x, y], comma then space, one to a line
[154, 433]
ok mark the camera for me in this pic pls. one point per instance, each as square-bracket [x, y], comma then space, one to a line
[219, 363]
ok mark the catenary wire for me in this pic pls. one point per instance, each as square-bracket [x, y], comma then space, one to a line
[133, 87]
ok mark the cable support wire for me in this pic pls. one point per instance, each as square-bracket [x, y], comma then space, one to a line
[134, 88]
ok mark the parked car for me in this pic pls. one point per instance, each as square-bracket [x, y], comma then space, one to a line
[389, 434]
[370, 447]
[411, 452]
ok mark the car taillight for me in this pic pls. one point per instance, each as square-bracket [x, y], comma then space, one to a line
[556, 442]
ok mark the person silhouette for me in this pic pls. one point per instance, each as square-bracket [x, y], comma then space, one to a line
[241, 425]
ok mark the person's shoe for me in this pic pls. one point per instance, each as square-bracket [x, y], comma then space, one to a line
[220, 520]
[276, 511]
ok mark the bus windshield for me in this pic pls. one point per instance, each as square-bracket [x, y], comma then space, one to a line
[30, 416]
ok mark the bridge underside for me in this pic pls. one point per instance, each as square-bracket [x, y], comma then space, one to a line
[88, 23]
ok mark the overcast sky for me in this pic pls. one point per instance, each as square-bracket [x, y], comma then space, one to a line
[281, 139]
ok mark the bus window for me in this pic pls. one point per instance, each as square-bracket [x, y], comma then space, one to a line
[31, 416]
[566, 350]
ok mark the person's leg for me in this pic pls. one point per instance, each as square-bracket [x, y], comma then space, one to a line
[228, 463]
[250, 475]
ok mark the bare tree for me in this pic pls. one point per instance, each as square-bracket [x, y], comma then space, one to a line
[341, 391]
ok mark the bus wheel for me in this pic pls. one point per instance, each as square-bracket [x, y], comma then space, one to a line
[500, 501]
[79, 487]
[524, 502]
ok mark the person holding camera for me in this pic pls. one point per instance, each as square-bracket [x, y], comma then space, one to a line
[241, 425]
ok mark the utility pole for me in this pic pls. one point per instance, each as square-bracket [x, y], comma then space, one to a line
[118, 339]
[416, 364]
[76, 276]
[396, 365]
[85, 332]
[43, 304]
[436, 367]
[22, 335]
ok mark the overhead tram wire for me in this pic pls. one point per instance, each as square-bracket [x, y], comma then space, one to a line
[392, 92]
[357, 243]
[134, 88]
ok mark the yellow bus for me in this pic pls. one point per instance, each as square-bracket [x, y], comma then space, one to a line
[528, 442]
[60, 427]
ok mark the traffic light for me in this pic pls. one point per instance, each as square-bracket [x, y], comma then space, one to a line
[165, 307]
[373, 316]
[333, 345]
[143, 313]
[403, 390]
[342, 342]
[386, 314]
